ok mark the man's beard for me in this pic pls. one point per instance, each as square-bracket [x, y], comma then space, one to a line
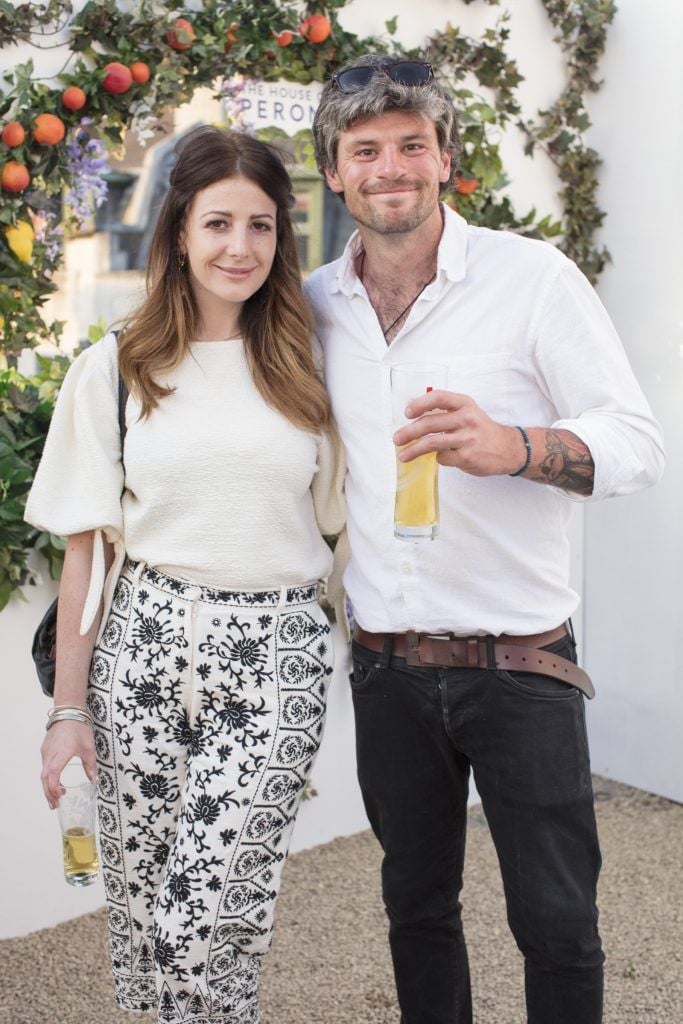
[391, 222]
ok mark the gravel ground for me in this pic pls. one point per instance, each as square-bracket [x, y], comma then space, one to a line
[329, 963]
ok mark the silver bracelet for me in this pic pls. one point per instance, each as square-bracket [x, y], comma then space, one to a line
[68, 716]
[67, 707]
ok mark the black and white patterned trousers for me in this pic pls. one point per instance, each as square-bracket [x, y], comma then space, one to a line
[208, 709]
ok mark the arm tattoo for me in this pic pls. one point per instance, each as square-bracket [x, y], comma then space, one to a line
[567, 463]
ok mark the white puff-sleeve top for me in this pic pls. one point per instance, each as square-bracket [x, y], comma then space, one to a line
[219, 488]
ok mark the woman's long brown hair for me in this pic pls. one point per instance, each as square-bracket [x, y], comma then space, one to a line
[275, 322]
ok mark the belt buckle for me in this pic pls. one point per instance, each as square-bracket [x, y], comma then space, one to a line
[441, 653]
[443, 650]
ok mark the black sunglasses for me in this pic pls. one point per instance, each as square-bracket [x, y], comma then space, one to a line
[405, 72]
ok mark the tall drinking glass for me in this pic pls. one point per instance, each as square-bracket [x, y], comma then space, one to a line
[416, 510]
[76, 812]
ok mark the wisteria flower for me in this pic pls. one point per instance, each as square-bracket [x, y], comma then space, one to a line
[86, 165]
[144, 121]
[234, 104]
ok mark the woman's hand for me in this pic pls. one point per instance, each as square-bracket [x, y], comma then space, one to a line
[64, 741]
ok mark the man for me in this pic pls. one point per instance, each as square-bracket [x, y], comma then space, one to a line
[542, 407]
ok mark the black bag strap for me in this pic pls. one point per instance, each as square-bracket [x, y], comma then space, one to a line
[123, 398]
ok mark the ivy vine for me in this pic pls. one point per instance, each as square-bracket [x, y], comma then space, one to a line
[55, 138]
[581, 33]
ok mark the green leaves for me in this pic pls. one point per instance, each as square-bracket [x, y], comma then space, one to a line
[238, 36]
[581, 33]
[480, 112]
[97, 331]
[26, 405]
[52, 548]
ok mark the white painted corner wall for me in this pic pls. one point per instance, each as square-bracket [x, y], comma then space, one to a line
[633, 597]
[34, 894]
[631, 626]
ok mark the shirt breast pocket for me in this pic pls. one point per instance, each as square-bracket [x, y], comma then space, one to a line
[486, 379]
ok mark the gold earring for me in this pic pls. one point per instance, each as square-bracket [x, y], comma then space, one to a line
[181, 260]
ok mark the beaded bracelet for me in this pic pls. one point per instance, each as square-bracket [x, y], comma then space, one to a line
[527, 444]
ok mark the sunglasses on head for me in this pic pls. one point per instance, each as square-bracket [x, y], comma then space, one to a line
[405, 72]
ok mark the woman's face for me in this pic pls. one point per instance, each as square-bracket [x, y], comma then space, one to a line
[229, 238]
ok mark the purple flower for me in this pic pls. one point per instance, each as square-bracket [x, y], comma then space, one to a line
[235, 104]
[86, 165]
[49, 232]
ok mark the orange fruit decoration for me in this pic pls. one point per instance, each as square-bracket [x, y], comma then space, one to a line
[14, 176]
[48, 129]
[140, 72]
[283, 38]
[230, 37]
[182, 36]
[316, 28]
[73, 98]
[466, 186]
[13, 134]
[117, 79]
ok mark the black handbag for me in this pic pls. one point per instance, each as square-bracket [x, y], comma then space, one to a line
[44, 646]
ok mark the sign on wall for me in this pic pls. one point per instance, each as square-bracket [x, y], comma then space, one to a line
[252, 103]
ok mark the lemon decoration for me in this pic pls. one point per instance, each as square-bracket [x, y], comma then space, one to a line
[20, 240]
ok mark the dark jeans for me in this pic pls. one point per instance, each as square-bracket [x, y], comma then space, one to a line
[418, 731]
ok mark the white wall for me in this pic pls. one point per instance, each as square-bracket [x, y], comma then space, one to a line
[337, 810]
[634, 546]
[34, 893]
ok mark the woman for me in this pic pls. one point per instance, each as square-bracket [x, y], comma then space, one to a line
[205, 654]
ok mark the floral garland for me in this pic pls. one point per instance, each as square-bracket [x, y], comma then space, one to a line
[126, 67]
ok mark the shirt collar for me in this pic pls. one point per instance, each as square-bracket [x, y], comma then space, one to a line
[450, 261]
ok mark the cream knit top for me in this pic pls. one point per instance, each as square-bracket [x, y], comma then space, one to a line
[220, 489]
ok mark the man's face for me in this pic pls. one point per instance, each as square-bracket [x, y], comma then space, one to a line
[390, 169]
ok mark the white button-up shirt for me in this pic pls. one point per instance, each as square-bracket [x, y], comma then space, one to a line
[524, 334]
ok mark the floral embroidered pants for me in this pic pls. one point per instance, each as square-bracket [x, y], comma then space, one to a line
[208, 709]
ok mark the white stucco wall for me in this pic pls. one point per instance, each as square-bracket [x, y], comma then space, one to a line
[633, 546]
[35, 895]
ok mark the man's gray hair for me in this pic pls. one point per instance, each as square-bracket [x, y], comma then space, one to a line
[338, 111]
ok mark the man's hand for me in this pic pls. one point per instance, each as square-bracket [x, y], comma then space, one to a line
[462, 435]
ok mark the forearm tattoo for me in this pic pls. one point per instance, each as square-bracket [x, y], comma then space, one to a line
[567, 463]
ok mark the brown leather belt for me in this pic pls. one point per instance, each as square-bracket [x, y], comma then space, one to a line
[510, 653]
